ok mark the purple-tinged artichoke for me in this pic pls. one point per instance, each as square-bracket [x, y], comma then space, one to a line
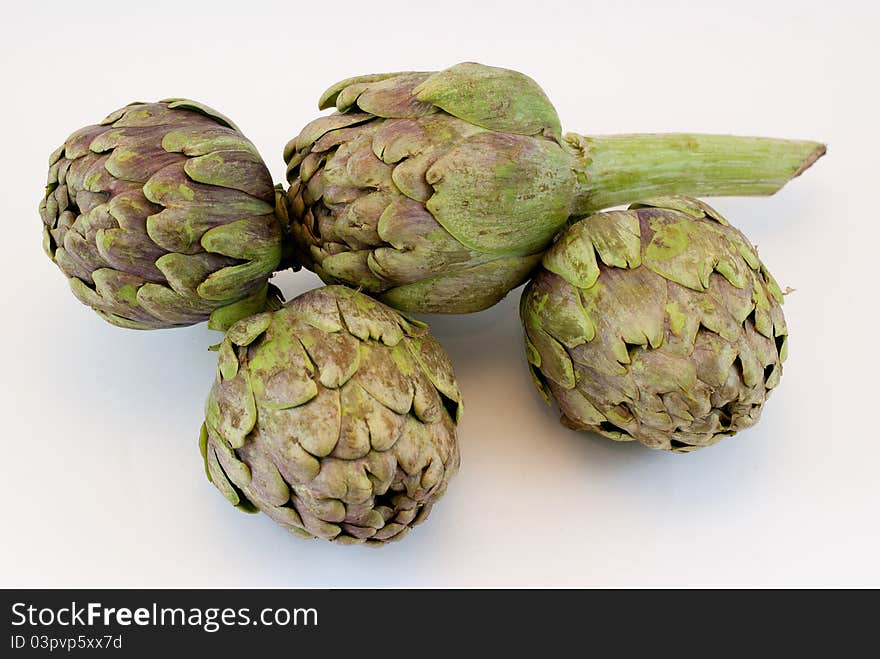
[438, 192]
[163, 215]
[335, 416]
[657, 324]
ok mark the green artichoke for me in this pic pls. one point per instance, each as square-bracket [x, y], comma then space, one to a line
[335, 416]
[438, 192]
[657, 324]
[163, 215]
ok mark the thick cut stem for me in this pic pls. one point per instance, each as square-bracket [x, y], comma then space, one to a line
[619, 169]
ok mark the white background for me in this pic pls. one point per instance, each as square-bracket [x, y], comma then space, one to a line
[101, 477]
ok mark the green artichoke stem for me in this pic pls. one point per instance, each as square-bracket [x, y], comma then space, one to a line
[619, 169]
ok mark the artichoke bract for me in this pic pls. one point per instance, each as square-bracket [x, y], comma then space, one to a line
[437, 192]
[335, 415]
[657, 324]
[163, 215]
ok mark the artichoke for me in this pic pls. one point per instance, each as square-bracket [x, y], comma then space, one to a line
[438, 192]
[335, 416]
[163, 215]
[657, 324]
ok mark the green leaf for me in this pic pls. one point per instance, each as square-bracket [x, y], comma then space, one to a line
[494, 98]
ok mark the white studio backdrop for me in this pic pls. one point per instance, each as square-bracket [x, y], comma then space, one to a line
[102, 478]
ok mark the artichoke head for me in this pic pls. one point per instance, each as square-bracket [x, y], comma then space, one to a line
[438, 191]
[435, 191]
[335, 416]
[658, 323]
[163, 215]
